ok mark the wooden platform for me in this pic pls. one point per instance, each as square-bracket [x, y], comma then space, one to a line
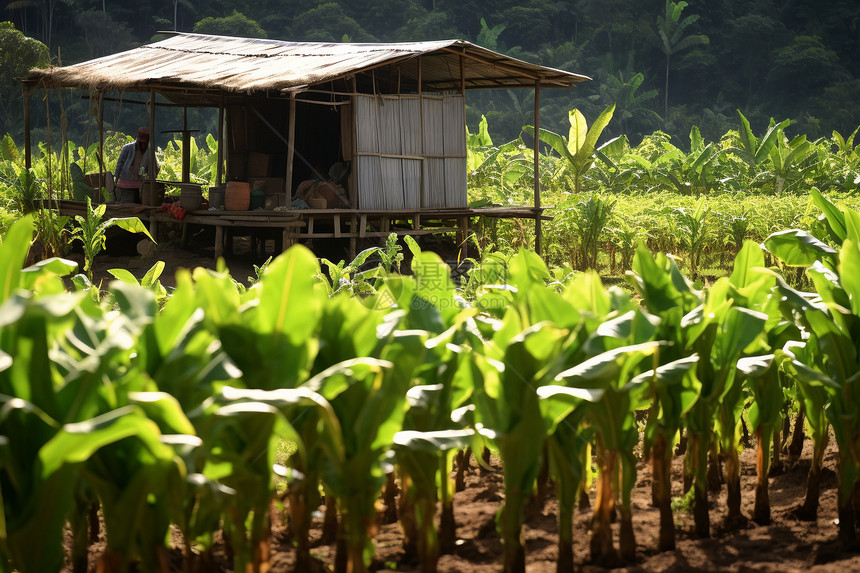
[304, 224]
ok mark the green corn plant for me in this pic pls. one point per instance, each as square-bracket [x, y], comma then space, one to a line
[693, 232]
[589, 221]
[91, 230]
[578, 148]
[624, 238]
[52, 230]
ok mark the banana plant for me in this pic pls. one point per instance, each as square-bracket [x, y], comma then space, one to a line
[667, 294]
[674, 389]
[692, 172]
[720, 331]
[131, 469]
[508, 409]
[607, 382]
[754, 151]
[478, 146]
[149, 280]
[791, 162]
[370, 412]
[829, 358]
[761, 376]
[568, 459]
[429, 423]
[814, 398]
[578, 149]
[245, 433]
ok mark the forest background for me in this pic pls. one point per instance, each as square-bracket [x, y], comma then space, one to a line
[667, 66]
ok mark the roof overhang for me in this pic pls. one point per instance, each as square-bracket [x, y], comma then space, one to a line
[203, 66]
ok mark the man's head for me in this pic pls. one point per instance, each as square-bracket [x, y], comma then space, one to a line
[143, 134]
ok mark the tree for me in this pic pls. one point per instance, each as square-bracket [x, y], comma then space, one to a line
[18, 54]
[631, 107]
[236, 24]
[102, 33]
[800, 70]
[670, 29]
[328, 23]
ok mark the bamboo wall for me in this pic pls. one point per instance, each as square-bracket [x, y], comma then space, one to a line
[410, 151]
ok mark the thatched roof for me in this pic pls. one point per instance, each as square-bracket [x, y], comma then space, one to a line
[194, 62]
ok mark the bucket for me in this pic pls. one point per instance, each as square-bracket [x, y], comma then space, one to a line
[216, 197]
[258, 199]
[151, 193]
[191, 197]
[238, 196]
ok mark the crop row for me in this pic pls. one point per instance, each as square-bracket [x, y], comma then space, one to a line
[177, 409]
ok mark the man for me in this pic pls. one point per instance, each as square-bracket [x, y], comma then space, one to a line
[132, 167]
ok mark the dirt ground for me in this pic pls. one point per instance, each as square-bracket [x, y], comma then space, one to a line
[784, 546]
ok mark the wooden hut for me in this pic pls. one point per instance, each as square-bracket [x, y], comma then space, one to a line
[391, 115]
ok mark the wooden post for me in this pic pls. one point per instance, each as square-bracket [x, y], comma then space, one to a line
[537, 211]
[291, 152]
[28, 158]
[151, 148]
[101, 104]
[424, 165]
[186, 147]
[219, 170]
[463, 222]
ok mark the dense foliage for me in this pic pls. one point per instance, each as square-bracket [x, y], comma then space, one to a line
[198, 408]
[666, 65]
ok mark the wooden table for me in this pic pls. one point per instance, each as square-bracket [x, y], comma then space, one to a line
[287, 221]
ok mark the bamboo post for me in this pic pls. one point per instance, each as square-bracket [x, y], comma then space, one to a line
[186, 147]
[101, 104]
[463, 221]
[151, 150]
[291, 152]
[219, 169]
[353, 195]
[28, 158]
[537, 211]
[424, 165]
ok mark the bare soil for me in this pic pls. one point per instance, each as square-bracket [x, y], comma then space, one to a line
[783, 546]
